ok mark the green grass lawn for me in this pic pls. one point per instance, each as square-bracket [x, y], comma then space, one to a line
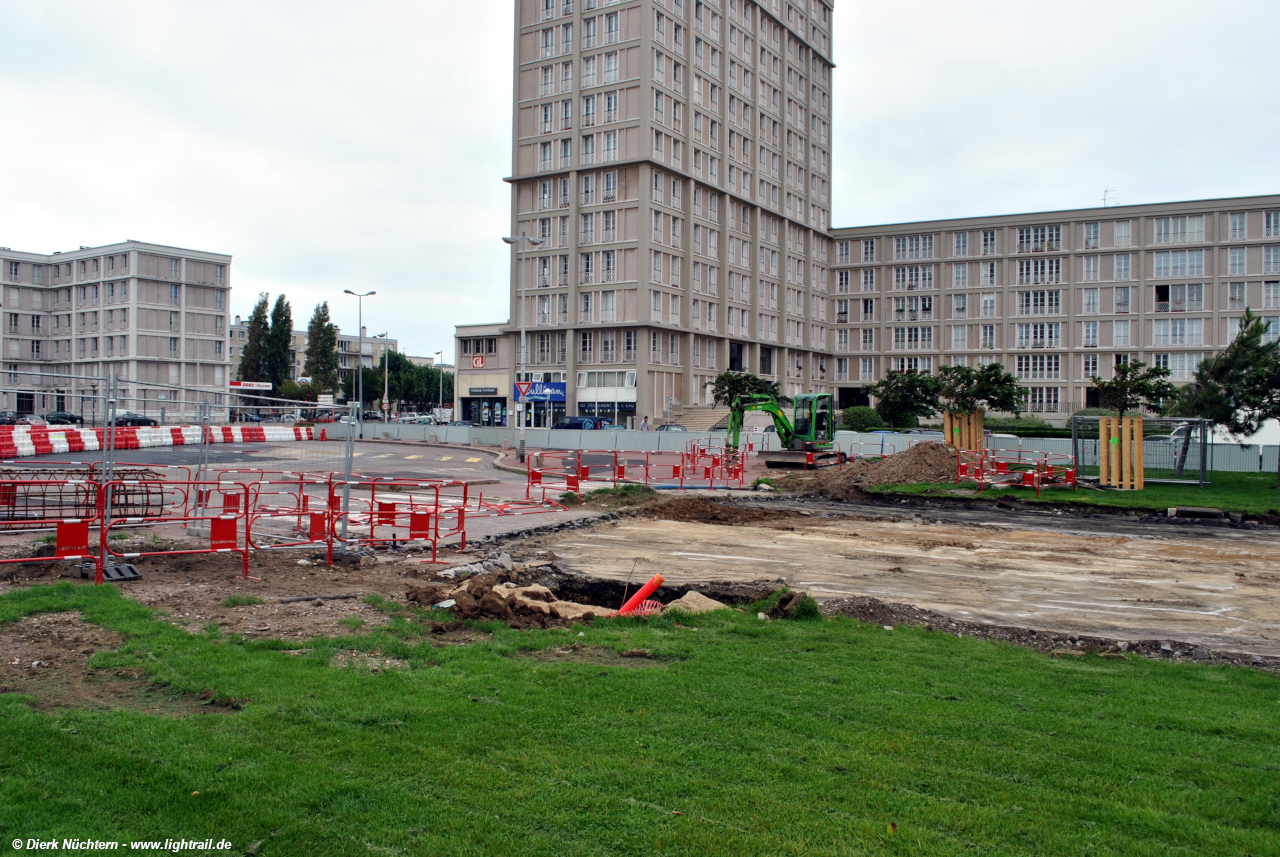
[744, 738]
[1252, 493]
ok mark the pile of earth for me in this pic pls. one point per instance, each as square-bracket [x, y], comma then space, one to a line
[505, 597]
[924, 462]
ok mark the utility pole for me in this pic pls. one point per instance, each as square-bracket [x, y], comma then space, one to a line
[360, 355]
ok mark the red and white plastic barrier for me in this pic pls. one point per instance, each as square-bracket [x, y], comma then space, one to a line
[23, 441]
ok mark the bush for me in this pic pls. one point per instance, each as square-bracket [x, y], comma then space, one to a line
[1014, 424]
[862, 418]
[1094, 412]
[906, 421]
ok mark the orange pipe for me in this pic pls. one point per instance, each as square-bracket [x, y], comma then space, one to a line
[645, 591]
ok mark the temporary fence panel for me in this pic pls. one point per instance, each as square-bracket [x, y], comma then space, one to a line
[1267, 462]
[70, 516]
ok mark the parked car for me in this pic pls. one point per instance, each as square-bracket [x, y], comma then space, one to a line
[63, 418]
[32, 420]
[672, 427]
[426, 420]
[8, 418]
[250, 418]
[581, 423]
[461, 423]
[922, 432]
[129, 419]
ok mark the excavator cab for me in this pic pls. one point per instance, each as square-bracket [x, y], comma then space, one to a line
[813, 423]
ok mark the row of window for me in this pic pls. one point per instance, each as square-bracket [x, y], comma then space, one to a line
[51, 274]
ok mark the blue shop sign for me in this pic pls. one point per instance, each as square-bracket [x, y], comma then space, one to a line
[539, 391]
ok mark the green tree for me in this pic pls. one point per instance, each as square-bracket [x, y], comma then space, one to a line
[964, 390]
[253, 365]
[1238, 390]
[321, 361]
[1135, 384]
[901, 397]
[731, 385]
[278, 360]
[861, 418]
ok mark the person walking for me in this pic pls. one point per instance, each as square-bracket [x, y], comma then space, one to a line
[644, 424]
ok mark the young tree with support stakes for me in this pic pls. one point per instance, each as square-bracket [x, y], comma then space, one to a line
[731, 385]
[1238, 390]
[321, 361]
[902, 395]
[1134, 385]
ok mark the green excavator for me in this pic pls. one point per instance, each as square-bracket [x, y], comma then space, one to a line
[807, 439]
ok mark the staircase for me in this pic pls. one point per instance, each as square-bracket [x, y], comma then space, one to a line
[703, 419]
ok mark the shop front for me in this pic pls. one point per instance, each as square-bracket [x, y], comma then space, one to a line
[541, 403]
[482, 406]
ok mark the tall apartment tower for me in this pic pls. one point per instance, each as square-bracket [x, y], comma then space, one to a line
[674, 159]
[154, 315]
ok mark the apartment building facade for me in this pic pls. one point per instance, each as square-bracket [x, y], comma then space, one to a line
[352, 350]
[154, 315]
[672, 159]
[1056, 297]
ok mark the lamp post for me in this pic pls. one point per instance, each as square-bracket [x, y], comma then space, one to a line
[522, 239]
[439, 381]
[360, 356]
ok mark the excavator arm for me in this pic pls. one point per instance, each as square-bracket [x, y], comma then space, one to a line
[758, 402]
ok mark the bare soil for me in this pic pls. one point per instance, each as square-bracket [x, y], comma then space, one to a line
[595, 656]
[924, 462]
[47, 657]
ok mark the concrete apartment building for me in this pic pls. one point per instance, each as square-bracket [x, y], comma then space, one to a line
[673, 157]
[152, 314]
[1056, 297]
[348, 348]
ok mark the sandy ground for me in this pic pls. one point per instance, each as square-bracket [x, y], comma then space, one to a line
[1221, 591]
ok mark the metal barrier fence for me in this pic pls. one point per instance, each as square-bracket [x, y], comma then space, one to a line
[1016, 468]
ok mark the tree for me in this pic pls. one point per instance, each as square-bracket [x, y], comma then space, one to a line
[902, 396]
[861, 418]
[253, 355]
[321, 361]
[278, 361]
[1239, 389]
[1135, 384]
[964, 390]
[730, 385]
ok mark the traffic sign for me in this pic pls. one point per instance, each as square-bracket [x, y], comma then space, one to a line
[386, 406]
[524, 387]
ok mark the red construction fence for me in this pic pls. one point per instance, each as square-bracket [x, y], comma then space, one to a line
[1015, 468]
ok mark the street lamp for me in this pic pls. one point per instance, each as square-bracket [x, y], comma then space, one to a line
[522, 239]
[360, 356]
[440, 380]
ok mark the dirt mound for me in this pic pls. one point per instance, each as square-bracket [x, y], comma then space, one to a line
[500, 597]
[924, 462]
[695, 602]
[708, 510]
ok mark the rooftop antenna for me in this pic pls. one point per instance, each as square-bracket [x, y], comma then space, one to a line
[1105, 194]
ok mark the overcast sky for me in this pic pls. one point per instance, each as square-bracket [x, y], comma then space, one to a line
[362, 145]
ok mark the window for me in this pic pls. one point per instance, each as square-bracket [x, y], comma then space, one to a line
[913, 247]
[868, 250]
[1179, 298]
[988, 332]
[959, 336]
[1091, 269]
[960, 275]
[1238, 227]
[1038, 367]
[1089, 369]
[1123, 271]
[842, 248]
[911, 277]
[1090, 302]
[1122, 233]
[989, 305]
[912, 338]
[988, 242]
[1180, 230]
[1039, 239]
[1091, 236]
[960, 244]
[1040, 399]
[959, 306]
[1180, 263]
[868, 279]
[1089, 338]
[1235, 296]
[1047, 302]
[173, 346]
[1271, 225]
[1270, 295]
[842, 282]
[1235, 261]
[1120, 334]
[1178, 331]
[1040, 335]
[1181, 366]
[1271, 260]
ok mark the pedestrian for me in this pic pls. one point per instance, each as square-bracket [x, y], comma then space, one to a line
[644, 424]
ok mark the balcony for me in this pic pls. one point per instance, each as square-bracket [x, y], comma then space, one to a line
[1232, 303]
[548, 51]
[584, 316]
[1037, 247]
[544, 203]
[610, 275]
[588, 120]
[562, 318]
[609, 235]
[566, 123]
[842, 318]
[610, 116]
[544, 280]
[609, 195]
[566, 162]
[611, 37]
[608, 315]
[1091, 243]
[629, 355]
[586, 357]
[912, 315]
[564, 200]
[586, 278]
[611, 76]
[547, 89]
[587, 237]
[566, 47]
[868, 317]
[588, 41]
[608, 355]
[1179, 306]
[543, 358]
[548, 13]
[544, 318]
[1122, 307]
[544, 166]
[564, 278]
[588, 197]
[657, 234]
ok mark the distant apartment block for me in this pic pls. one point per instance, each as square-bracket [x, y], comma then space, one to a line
[350, 353]
[152, 314]
[1057, 297]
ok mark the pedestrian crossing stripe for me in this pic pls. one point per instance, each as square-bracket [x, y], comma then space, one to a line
[473, 460]
[412, 457]
[446, 458]
[384, 455]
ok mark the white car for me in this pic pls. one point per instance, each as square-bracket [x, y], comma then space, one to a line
[407, 418]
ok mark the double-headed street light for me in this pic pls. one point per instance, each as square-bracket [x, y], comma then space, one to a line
[360, 356]
[522, 239]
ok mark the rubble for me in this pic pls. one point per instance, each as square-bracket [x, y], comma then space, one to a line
[924, 462]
